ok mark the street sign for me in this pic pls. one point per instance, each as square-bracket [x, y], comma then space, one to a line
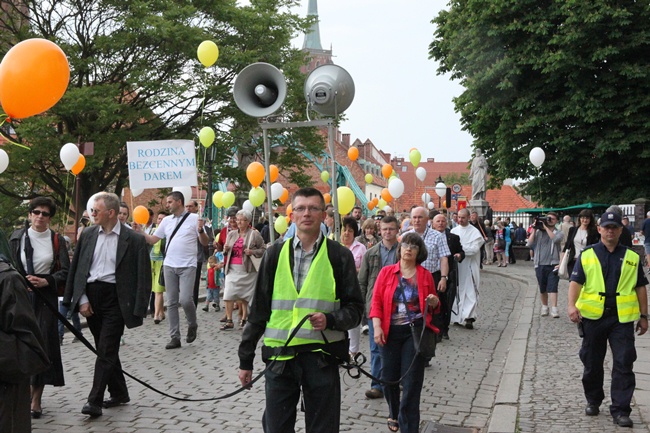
[456, 188]
[454, 196]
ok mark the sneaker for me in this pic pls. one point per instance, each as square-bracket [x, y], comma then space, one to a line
[206, 308]
[554, 312]
[191, 333]
[174, 343]
[364, 330]
[544, 310]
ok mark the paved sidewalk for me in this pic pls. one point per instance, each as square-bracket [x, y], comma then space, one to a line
[514, 370]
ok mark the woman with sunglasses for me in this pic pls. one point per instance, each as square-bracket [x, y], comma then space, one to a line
[579, 237]
[41, 256]
[401, 294]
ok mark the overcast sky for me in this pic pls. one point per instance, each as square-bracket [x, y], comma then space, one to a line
[400, 102]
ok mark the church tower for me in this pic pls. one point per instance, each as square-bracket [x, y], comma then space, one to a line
[315, 55]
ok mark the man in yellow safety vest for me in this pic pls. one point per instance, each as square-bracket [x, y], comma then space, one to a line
[607, 294]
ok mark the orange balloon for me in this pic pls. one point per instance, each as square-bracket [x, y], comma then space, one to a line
[353, 153]
[289, 210]
[385, 194]
[141, 215]
[284, 196]
[34, 75]
[375, 201]
[273, 172]
[79, 165]
[327, 197]
[371, 205]
[255, 173]
[387, 170]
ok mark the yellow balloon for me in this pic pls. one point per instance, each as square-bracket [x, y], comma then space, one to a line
[346, 199]
[206, 136]
[257, 196]
[216, 199]
[369, 178]
[281, 224]
[382, 203]
[325, 176]
[415, 156]
[208, 53]
[228, 199]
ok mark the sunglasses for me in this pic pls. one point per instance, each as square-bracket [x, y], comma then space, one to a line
[38, 212]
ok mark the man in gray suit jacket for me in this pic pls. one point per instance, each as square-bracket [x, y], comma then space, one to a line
[110, 281]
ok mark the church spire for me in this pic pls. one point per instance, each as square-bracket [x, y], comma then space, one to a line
[312, 37]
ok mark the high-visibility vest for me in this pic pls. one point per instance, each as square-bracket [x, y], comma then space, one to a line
[591, 301]
[288, 307]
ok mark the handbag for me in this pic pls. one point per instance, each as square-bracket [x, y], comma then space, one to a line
[563, 271]
[161, 275]
[257, 261]
[424, 339]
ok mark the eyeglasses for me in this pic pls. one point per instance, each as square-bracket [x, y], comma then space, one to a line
[310, 209]
[41, 212]
[410, 247]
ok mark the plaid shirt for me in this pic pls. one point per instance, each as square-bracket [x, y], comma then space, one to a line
[302, 260]
[437, 248]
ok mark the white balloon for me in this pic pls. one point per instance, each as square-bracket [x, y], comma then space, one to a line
[69, 154]
[537, 156]
[276, 190]
[248, 206]
[421, 173]
[186, 191]
[426, 198]
[430, 205]
[387, 209]
[89, 207]
[396, 187]
[4, 161]
[136, 192]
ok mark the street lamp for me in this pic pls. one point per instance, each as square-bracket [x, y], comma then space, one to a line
[441, 189]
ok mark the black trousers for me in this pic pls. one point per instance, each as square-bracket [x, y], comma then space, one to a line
[592, 354]
[197, 281]
[441, 321]
[15, 403]
[107, 326]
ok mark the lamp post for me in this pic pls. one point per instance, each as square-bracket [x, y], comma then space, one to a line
[441, 189]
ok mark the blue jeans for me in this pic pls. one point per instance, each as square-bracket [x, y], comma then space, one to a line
[375, 357]
[65, 311]
[396, 357]
[321, 388]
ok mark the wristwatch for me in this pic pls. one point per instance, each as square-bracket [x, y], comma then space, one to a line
[201, 231]
[644, 316]
[444, 276]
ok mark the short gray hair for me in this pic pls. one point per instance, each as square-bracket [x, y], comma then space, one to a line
[111, 201]
[246, 214]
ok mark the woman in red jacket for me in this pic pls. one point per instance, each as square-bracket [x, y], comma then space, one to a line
[401, 293]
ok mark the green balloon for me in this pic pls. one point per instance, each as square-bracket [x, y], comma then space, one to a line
[228, 199]
[281, 224]
[257, 196]
[206, 136]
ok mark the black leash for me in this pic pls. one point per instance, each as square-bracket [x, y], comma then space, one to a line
[353, 367]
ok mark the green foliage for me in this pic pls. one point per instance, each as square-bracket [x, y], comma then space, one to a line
[571, 77]
[135, 76]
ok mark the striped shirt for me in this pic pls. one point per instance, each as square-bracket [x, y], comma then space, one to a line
[302, 260]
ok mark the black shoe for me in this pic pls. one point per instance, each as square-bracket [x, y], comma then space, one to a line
[36, 414]
[623, 421]
[445, 335]
[174, 343]
[206, 308]
[439, 338]
[592, 410]
[191, 333]
[91, 409]
[469, 324]
[115, 401]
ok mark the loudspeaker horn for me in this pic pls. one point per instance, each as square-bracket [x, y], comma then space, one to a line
[260, 89]
[329, 90]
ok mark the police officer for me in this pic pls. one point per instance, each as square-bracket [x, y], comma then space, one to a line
[607, 294]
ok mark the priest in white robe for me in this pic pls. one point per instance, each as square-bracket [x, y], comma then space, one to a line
[466, 303]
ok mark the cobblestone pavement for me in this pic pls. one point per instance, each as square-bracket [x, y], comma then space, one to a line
[460, 389]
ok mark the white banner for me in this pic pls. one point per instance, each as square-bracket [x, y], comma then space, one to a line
[161, 164]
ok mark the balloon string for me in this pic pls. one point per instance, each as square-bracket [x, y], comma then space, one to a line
[4, 120]
[539, 179]
[65, 200]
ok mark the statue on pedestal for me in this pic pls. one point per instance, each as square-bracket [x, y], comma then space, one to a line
[478, 175]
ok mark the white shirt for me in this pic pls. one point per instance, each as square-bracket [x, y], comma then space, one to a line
[43, 256]
[102, 267]
[182, 251]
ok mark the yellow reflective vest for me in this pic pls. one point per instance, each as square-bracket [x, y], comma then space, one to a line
[591, 301]
[288, 307]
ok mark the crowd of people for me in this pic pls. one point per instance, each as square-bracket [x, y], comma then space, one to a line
[386, 276]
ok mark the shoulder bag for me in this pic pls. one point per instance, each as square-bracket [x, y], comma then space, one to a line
[161, 275]
[563, 271]
[257, 261]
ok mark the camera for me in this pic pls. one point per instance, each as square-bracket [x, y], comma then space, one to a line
[539, 222]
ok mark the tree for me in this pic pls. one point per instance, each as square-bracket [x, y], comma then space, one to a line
[571, 77]
[134, 76]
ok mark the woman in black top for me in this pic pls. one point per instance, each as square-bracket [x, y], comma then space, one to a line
[579, 237]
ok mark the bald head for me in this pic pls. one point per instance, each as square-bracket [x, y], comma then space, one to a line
[439, 223]
[419, 218]
[463, 217]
